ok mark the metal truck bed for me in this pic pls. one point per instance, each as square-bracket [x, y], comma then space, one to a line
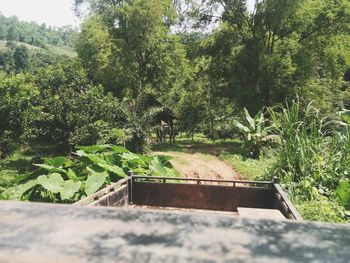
[194, 194]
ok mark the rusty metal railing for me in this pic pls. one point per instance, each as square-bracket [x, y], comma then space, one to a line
[234, 183]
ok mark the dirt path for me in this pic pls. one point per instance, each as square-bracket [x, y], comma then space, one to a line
[198, 165]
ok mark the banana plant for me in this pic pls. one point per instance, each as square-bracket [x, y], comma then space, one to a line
[254, 131]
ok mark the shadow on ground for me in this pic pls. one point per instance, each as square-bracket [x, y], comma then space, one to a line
[212, 148]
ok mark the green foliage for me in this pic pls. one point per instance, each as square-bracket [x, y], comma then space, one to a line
[70, 111]
[345, 116]
[12, 29]
[190, 113]
[251, 169]
[313, 155]
[16, 93]
[95, 182]
[65, 180]
[343, 193]
[255, 132]
[18, 57]
[262, 57]
[128, 46]
[323, 211]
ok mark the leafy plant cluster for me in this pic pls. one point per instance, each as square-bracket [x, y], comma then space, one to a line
[254, 131]
[313, 157]
[58, 105]
[66, 180]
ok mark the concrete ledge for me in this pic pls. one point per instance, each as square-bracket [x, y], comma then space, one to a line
[58, 233]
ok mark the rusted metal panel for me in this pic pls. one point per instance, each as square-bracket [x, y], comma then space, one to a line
[119, 198]
[210, 197]
[100, 195]
[194, 193]
[283, 204]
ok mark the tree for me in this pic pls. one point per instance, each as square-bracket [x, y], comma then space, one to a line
[69, 111]
[271, 53]
[16, 94]
[95, 50]
[147, 55]
[21, 58]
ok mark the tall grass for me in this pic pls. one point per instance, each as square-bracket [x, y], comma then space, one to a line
[314, 153]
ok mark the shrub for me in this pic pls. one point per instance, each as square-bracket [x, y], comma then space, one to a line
[323, 210]
[16, 93]
[70, 111]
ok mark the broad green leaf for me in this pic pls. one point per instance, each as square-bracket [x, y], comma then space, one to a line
[95, 158]
[94, 148]
[130, 156]
[240, 126]
[81, 153]
[94, 183]
[133, 160]
[343, 193]
[249, 119]
[72, 175]
[157, 168]
[170, 172]
[69, 189]
[16, 193]
[57, 161]
[52, 182]
[113, 169]
[51, 169]
[119, 149]
[22, 177]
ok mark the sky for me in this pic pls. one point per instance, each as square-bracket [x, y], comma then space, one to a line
[52, 12]
[251, 4]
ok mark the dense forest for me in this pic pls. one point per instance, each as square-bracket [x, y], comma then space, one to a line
[275, 80]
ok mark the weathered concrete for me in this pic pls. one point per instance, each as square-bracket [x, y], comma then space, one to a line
[55, 233]
[254, 213]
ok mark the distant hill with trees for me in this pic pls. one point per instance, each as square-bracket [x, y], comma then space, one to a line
[12, 29]
[25, 46]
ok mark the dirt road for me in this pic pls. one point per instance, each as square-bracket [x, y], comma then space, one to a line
[198, 165]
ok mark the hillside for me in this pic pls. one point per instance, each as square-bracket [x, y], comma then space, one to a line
[12, 29]
[57, 50]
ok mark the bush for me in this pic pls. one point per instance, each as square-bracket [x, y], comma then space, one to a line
[70, 111]
[323, 211]
[16, 94]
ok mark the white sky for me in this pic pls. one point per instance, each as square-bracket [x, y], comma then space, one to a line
[51, 12]
[250, 3]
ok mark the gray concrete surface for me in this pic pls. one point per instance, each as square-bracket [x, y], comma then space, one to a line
[56, 233]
